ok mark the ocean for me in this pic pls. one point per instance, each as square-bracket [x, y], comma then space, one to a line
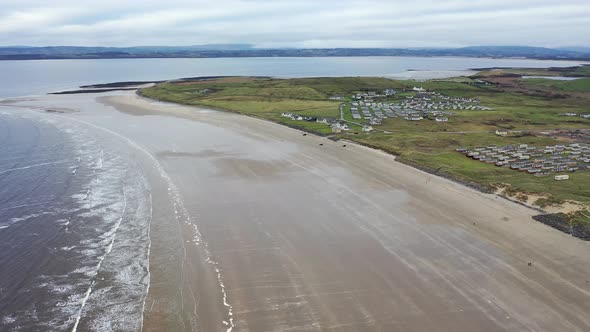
[64, 191]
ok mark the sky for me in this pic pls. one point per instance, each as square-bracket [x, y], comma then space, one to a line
[301, 23]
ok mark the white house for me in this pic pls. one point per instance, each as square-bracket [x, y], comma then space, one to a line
[375, 121]
[389, 92]
[500, 132]
[338, 127]
[367, 128]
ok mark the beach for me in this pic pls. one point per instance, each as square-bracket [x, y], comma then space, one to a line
[253, 226]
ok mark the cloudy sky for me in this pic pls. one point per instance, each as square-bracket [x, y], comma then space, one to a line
[301, 23]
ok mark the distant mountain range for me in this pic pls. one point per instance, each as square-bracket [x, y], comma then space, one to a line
[581, 49]
[245, 50]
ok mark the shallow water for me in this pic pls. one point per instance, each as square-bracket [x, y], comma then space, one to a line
[28, 77]
[73, 216]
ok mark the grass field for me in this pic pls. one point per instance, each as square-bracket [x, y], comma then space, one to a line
[576, 71]
[579, 85]
[436, 151]
[425, 143]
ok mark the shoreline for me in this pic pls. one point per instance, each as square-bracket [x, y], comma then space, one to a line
[138, 85]
[557, 222]
[131, 85]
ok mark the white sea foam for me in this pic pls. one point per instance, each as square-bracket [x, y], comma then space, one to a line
[33, 166]
[182, 216]
[148, 260]
[29, 216]
[24, 205]
[107, 280]
[112, 234]
[113, 226]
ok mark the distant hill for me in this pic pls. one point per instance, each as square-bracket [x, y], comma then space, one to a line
[80, 50]
[245, 50]
[519, 51]
[581, 49]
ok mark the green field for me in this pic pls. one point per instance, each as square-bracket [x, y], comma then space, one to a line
[436, 151]
[579, 85]
[576, 71]
[424, 143]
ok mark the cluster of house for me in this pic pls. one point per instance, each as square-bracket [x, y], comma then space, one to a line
[416, 114]
[539, 161]
[431, 100]
[371, 110]
[297, 117]
[438, 95]
[376, 112]
[583, 115]
[425, 105]
[336, 125]
[369, 95]
[339, 126]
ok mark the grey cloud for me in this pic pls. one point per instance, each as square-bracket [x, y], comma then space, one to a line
[304, 23]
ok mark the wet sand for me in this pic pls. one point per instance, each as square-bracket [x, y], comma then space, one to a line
[312, 237]
[256, 227]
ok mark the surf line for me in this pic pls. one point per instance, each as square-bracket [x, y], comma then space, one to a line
[99, 265]
[147, 287]
[35, 165]
[175, 194]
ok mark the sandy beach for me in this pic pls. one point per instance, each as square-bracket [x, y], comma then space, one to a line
[257, 227]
